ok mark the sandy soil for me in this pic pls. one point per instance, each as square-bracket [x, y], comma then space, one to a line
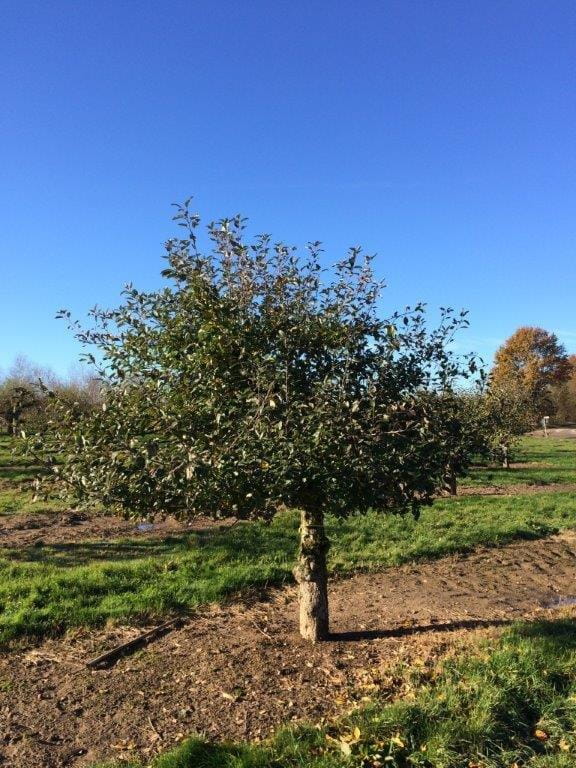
[239, 671]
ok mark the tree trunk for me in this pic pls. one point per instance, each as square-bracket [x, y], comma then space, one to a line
[506, 457]
[451, 482]
[312, 577]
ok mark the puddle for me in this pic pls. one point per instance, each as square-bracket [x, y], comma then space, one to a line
[144, 527]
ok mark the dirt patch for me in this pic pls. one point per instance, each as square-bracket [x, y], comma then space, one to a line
[26, 530]
[517, 489]
[568, 433]
[239, 671]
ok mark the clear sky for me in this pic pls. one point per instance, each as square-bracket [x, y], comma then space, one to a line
[440, 134]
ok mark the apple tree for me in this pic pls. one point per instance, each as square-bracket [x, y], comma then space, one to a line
[257, 379]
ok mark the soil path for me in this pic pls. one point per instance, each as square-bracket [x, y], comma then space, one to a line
[239, 671]
[517, 489]
[562, 432]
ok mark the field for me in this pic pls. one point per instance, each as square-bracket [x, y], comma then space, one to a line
[453, 636]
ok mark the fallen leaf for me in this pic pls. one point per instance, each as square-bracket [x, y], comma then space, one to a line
[345, 748]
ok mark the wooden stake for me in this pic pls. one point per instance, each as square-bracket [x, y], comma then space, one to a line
[132, 645]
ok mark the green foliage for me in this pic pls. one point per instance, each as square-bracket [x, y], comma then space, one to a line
[461, 429]
[507, 702]
[508, 413]
[256, 380]
[481, 424]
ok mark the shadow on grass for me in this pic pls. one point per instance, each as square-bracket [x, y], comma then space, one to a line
[69, 555]
[17, 474]
[197, 753]
[227, 544]
[558, 634]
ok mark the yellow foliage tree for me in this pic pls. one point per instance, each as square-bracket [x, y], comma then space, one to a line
[564, 397]
[534, 361]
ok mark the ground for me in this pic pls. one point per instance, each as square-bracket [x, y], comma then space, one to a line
[237, 669]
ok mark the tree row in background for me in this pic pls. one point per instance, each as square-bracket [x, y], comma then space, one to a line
[26, 389]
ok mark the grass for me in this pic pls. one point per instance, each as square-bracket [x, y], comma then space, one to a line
[510, 701]
[507, 702]
[540, 461]
[46, 589]
[16, 474]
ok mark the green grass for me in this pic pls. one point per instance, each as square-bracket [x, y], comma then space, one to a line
[11, 458]
[483, 708]
[16, 474]
[509, 701]
[46, 589]
[544, 461]
[16, 500]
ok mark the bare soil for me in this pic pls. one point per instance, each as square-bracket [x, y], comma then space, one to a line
[516, 489]
[561, 432]
[239, 671]
[26, 530]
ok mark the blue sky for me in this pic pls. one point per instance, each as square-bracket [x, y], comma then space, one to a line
[440, 134]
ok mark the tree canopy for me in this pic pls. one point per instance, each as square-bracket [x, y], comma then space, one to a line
[534, 360]
[257, 379]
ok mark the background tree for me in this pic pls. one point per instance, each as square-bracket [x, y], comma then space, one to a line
[507, 414]
[564, 397]
[533, 360]
[256, 380]
[25, 387]
[16, 400]
[460, 433]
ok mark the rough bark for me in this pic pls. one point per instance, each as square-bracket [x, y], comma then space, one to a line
[312, 577]
[451, 483]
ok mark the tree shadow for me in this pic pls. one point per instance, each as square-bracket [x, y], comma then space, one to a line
[560, 633]
[224, 543]
[18, 473]
[449, 626]
[71, 554]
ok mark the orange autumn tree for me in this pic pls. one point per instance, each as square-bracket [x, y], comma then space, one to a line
[564, 396]
[532, 361]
